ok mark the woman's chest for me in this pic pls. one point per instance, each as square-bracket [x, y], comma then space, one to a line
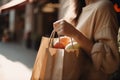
[86, 24]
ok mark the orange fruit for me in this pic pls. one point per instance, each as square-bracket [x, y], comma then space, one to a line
[62, 42]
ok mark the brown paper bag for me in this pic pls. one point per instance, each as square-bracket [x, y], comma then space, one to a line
[57, 64]
[62, 65]
[39, 59]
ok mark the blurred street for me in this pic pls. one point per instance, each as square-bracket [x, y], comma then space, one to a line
[16, 61]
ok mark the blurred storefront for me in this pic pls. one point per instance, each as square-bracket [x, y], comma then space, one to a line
[29, 20]
[15, 11]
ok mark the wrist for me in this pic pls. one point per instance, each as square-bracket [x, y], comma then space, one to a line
[76, 34]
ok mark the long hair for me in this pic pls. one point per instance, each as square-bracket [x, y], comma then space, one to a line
[78, 4]
[74, 11]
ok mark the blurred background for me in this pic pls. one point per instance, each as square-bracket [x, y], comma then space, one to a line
[22, 24]
[27, 20]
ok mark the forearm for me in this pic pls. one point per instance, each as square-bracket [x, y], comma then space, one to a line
[84, 42]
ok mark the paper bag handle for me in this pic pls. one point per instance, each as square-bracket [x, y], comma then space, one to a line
[52, 38]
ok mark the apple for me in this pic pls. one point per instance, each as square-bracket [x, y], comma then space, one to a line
[73, 45]
[59, 45]
[61, 42]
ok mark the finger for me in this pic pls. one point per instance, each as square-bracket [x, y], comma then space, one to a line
[55, 24]
[59, 33]
[58, 28]
[59, 22]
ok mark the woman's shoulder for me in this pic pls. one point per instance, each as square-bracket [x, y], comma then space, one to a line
[104, 5]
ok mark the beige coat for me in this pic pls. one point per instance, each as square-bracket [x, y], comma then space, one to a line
[98, 23]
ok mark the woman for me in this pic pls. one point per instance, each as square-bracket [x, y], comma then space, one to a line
[94, 26]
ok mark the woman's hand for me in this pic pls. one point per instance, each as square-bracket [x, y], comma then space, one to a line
[62, 27]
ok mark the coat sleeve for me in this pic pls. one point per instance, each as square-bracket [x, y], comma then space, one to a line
[104, 53]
